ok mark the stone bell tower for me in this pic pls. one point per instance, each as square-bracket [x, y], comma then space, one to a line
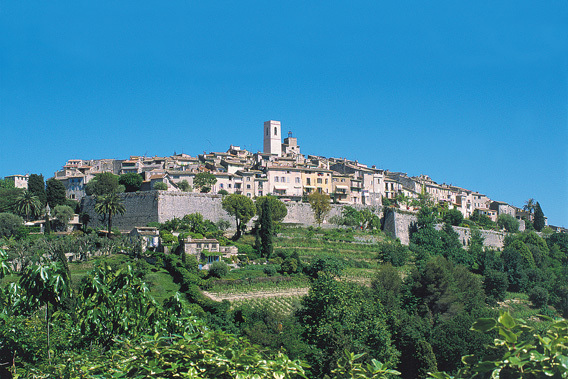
[272, 138]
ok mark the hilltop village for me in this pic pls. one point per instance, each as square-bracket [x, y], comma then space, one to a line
[283, 171]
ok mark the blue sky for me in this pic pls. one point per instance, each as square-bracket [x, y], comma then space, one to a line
[473, 94]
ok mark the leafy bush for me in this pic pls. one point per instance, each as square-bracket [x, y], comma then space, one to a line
[160, 186]
[167, 237]
[218, 269]
[508, 222]
[495, 284]
[9, 224]
[539, 297]
[393, 252]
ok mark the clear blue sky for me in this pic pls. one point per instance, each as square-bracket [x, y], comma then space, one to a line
[471, 93]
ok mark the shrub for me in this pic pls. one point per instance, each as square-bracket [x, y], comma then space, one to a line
[270, 270]
[9, 224]
[508, 222]
[218, 269]
[167, 237]
[393, 252]
[160, 186]
[539, 297]
[495, 284]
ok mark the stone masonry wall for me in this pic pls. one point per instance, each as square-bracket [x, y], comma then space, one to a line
[398, 225]
[141, 209]
[160, 206]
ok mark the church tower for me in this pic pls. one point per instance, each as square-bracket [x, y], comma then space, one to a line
[272, 138]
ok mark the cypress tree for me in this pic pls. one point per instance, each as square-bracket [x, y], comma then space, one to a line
[36, 185]
[266, 231]
[538, 218]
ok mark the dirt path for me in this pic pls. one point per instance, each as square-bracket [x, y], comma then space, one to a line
[257, 294]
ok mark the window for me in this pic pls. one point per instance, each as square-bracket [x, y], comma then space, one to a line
[275, 131]
[326, 181]
[319, 180]
[276, 179]
[297, 180]
[308, 181]
[229, 185]
[248, 186]
[220, 185]
[283, 179]
[266, 131]
[248, 178]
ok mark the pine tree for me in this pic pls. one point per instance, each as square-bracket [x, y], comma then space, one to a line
[538, 218]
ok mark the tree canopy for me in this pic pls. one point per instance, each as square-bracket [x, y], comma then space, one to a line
[131, 181]
[102, 184]
[36, 185]
[278, 209]
[242, 208]
[109, 205]
[204, 181]
[320, 204]
[539, 221]
[55, 193]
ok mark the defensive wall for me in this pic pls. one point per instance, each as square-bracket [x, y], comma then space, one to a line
[400, 225]
[160, 206]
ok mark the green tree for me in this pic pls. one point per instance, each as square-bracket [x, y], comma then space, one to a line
[63, 214]
[160, 186]
[7, 184]
[530, 205]
[102, 184]
[242, 208]
[266, 230]
[8, 198]
[131, 181]
[538, 218]
[45, 285]
[55, 193]
[184, 186]
[519, 351]
[339, 316]
[277, 208]
[109, 205]
[508, 222]
[218, 269]
[9, 224]
[204, 181]
[28, 205]
[320, 204]
[36, 185]
[453, 217]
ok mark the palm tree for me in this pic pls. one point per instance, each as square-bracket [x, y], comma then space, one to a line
[530, 205]
[28, 204]
[109, 205]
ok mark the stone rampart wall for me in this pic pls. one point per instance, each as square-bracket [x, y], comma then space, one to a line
[141, 209]
[160, 206]
[399, 225]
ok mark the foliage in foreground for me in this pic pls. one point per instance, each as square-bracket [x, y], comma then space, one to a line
[520, 352]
